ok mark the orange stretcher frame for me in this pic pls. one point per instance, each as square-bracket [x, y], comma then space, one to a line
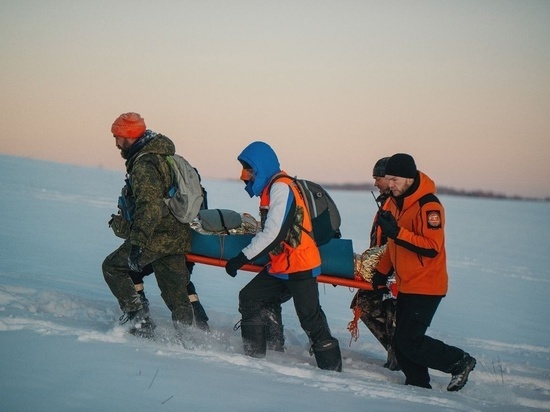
[331, 280]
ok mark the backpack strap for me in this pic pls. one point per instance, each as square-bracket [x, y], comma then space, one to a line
[222, 221]
[264, 200]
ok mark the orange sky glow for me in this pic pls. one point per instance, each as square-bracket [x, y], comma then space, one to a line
[462, 86]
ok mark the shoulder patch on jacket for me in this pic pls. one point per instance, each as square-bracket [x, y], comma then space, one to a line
[433, 217]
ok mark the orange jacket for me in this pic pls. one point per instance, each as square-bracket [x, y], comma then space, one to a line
[418, 252]
[298, 251]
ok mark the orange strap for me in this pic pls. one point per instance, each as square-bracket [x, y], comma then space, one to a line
[353, 326]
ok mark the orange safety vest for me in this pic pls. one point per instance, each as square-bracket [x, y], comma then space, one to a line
[305, 254]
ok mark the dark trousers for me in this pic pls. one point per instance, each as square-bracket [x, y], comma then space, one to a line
[415, 351]
[265, 290]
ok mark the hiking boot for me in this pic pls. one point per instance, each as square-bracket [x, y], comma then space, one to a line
[460, 373]
[141, 324]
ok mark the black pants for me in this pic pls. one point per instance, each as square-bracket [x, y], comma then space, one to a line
[265, 290]
[415, 351]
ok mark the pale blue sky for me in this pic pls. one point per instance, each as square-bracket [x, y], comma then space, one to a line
[463, 86]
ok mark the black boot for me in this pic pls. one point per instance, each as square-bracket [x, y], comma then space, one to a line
[274, 328]
[328, 356]
[201, 319]
[461, 371]
[141, 324]
[254, 339]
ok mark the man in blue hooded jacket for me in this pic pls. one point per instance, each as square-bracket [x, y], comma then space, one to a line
[294, 263]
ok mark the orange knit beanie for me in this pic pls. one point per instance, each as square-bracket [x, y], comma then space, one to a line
[129, 125]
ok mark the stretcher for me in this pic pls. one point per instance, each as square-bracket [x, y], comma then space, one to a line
[337, 257]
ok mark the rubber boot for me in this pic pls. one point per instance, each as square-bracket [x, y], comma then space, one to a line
[274, 329]
[254, 339]
[328, 356]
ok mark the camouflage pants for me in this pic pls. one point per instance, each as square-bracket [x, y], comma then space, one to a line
[378, 315]
[172, 279]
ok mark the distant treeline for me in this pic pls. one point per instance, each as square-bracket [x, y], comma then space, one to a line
[440, 190]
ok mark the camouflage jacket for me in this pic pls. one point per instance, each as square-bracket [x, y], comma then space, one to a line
[153, 227]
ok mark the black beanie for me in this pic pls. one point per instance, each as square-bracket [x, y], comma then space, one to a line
[379, 169]
[401, 165]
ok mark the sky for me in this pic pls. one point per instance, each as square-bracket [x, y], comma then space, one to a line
[463, 86]
[62, 348]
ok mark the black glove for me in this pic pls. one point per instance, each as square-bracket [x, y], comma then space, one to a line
[133, 258]
[235, 264]
[388, 224]
[379, 279]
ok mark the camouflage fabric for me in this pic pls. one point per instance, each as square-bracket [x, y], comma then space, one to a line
[172, 278]
[294, 235]
[120, 226]
[378, 315]
[162, 237]
[153, 226]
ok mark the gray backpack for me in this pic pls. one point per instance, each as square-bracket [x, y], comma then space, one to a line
[185, 195]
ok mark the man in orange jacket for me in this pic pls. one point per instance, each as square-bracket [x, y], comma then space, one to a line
[414, 222]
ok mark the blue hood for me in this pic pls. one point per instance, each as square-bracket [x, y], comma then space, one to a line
[263, 160]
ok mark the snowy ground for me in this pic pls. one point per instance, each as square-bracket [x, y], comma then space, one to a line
[61, 347]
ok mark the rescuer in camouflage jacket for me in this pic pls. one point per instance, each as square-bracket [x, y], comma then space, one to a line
[377, 308]
[153, 236]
